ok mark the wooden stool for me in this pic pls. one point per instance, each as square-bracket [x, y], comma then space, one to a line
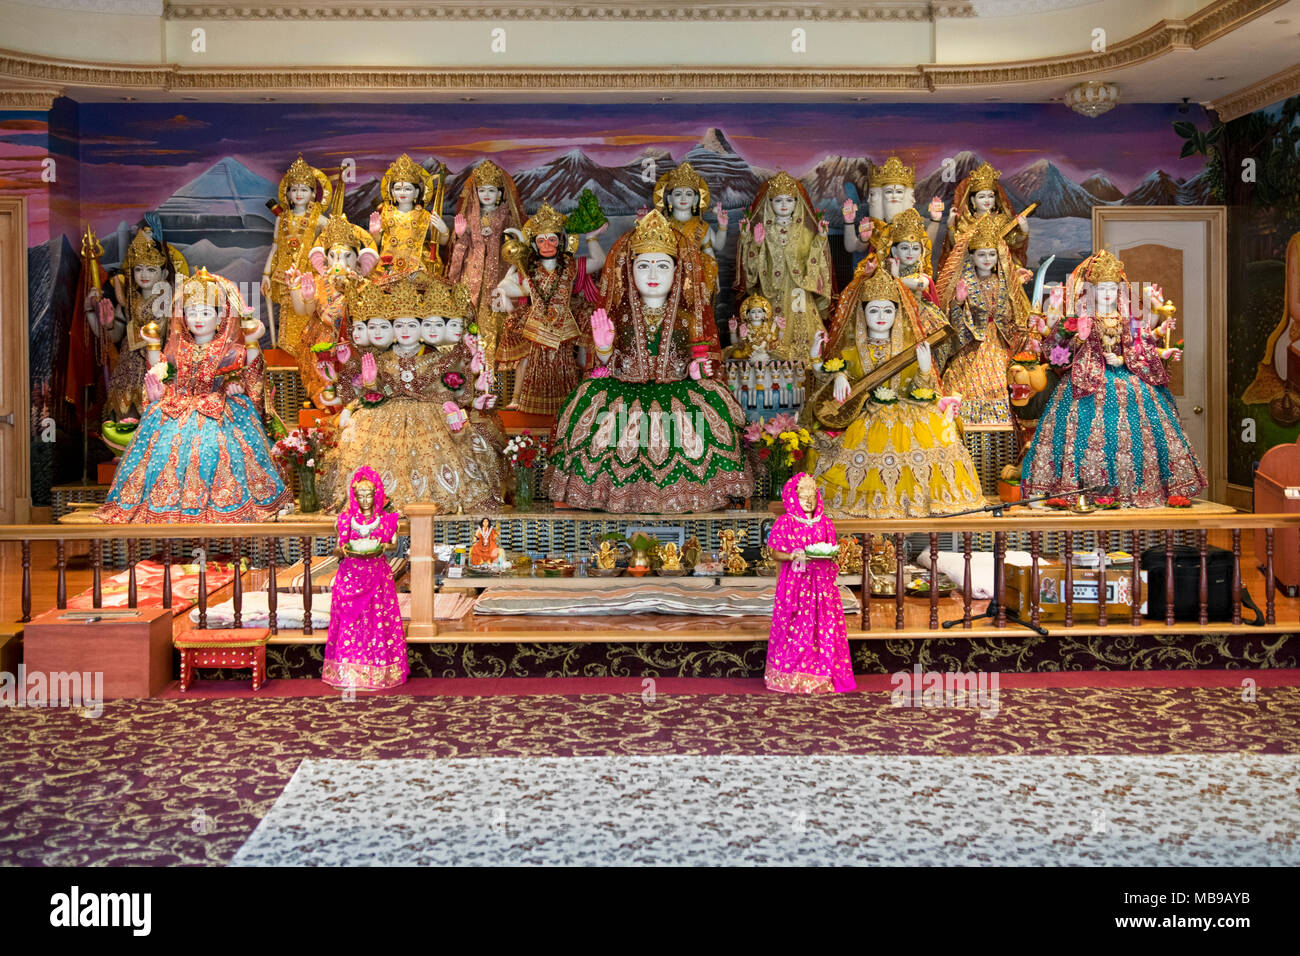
[233, 647]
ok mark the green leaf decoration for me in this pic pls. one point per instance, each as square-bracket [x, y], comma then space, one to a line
[587, 217]
[1184, 129]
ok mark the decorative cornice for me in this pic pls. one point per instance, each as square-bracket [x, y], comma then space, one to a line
[1266, 92]
[629, 10]
[28, 99]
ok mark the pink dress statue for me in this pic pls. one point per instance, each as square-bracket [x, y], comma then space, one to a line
[366, 647]
[808, 648]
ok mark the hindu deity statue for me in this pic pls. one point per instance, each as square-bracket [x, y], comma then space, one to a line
[141, 296]
[301, 215]
[887, 445]
[489, 205]
[341, 257]
[546, 342]
[405, 216]
[981, 290]
[201, 453]
[650, 430]
[784, 256]
[403, 424]
[760, 338]
[682, 195]
[1111, 422]
[892, 192]
[977, 195]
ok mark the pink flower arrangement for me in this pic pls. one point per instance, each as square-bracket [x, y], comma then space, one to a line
[1060, 355]
[303, 448]
[453, 380]
[1106, 502]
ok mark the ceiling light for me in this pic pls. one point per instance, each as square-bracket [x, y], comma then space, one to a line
[1092, 98]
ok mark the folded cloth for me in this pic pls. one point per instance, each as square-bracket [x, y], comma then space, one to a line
[648, 598]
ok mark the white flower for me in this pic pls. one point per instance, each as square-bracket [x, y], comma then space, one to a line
[311, 462]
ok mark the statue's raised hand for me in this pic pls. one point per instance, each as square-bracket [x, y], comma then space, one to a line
[849, 210]
[459, 224]
[369, 370]
[865, 228]
[962, 291]
[602, 330]
[759, 232]
[308, 287]
[105, 313]
[819, 340]
[327, 371]
[723, 219]
[376, 223]
[936, 208]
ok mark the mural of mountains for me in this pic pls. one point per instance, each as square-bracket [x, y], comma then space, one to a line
[1043, 183]
[1100, 186]
[964, 163]
[226, 204]
[731, 179]
[825, 182]
[1195, 191]
[1157, 189]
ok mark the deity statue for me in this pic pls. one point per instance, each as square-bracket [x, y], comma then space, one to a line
[784, 256]
[201, 454]
[889, 449]
[650, 430]
[977, 195]
[980, 288]
[1111, 422]
[546, 342]
[489, 204]
[606, 557]
[402, 223]
[486, 549]
[892, 192]
[669, 557]
[141, 297]
[405, 423]
[760, 338]
[341, 256]
[682, 195]
[301, 216]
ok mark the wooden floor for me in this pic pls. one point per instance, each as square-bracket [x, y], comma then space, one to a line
[514, 628]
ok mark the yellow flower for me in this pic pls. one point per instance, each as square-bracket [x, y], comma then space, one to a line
[803, 435]
[833, 365]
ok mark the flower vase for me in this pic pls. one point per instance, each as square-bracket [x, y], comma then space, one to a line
[778, 474]
[307, 499]
[525, 478]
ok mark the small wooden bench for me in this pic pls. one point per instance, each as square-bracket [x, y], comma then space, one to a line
[233, 647]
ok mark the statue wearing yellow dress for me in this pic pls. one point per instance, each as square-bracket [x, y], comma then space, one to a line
[759, 336]
[401, 226]
[889, 451]
[682, 195]
[301, 216]
[784, 256]
[977, 195]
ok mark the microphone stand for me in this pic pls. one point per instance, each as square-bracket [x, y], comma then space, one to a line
[1012, 616]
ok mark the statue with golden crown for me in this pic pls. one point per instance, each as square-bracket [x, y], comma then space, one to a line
[651, 430]
[981, 288]
[682, 195]
[304, 197]
[404, 424]
[489, 204]
[887, 445]
[891, 192]
[201, 453]
[979, 194]
[784, 256]
[1111, 422]
[402, 224]
[546, 342]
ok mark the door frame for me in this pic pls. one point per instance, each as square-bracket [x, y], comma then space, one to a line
[13, 305]
[1216, 327]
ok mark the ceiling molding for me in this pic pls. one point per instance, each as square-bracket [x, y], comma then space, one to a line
[28, 99]
[1266, 92]
[630, 10]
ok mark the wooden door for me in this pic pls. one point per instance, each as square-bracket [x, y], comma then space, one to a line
[15, 389]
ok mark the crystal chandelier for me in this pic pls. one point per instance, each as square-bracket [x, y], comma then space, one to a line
[1092, 98]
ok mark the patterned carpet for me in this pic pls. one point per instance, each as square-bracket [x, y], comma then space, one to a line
[185, 782]
[1172, 810]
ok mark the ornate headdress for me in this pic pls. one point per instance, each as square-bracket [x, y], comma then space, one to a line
[488, 173]
[339, 231]
[983, 177]
[783, 184]
[449, 301]
[302, 173]
[143, 251]
[684, 176]
[206, 288]
[545, 220]
[987, 232]
[756, 301]
[1104, 267]
[653, 233]
[893, 173]
[401, 298]
[406, 170]
[908, 226]
[880, 285]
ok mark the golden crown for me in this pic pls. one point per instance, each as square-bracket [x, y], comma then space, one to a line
[143, 251]
[783, 184]
[880, 286]
[206, 288]
[907, 226]
[683, 177]
[545, 220]
[300, 173]
[339, 231]
[983, 177]
[756, 301]
[447, 300]
[987, 232]
[653, 233]
[893, 173]
[406, 170]
[488, 173]
[1105, 268]
[398, 299]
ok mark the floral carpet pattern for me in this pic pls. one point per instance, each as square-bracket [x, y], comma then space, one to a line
[168, 782]
[1181, 810]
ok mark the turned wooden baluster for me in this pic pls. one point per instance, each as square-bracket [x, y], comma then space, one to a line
[238, 546]
[61, 562]
[1068, 569]
[900, 552]
[866, 582]
[1169, 578]
[1269, 583]
[965, 585]
[306, 584]
[272, 601]
[1236, 575]
[96, 582]
[1103, 546]
[27, 583]
[132, 593]
[934, 580]
[1203, 546]
[1033, 577]
[203, 584]
[1135, 581]
[999, 558]
[167, 572]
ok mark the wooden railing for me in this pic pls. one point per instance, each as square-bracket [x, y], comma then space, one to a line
[1126, 530]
